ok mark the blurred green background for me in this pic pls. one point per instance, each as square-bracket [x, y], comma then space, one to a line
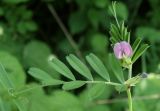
[31, 31]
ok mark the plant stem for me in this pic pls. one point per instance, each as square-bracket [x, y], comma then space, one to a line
[129, 99]
[103, 82]
[130, 72]
[129, 89]
[66, 32]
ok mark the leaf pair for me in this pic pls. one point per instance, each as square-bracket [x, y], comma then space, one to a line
[138, 50]
[80, 67]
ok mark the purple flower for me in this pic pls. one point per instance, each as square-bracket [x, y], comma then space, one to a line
[122, 50]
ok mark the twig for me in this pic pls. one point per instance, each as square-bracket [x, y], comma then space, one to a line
[136, 98]
[62, 26]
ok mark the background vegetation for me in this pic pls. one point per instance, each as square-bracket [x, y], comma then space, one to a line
[32, 31]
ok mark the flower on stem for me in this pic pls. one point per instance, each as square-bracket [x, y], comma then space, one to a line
[122, 50]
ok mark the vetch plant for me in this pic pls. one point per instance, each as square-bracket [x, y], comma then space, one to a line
[125, 54]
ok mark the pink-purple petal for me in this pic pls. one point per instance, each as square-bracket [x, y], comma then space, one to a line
[122, 49]
[118, 51]
[127, 49]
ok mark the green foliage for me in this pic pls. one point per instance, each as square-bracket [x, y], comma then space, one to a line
[77, 27]
[119, 33]
[148, 88]
[136, 44]
[98, 66]
[116, 68]
[73, 85]
[62, 68]
[29, 37]
[97, 38]
[79, 66]
[44, 77]
[37, 54]
[139, 52]
[14, 1]
[96, 90]
[13, 68]
[5, 81]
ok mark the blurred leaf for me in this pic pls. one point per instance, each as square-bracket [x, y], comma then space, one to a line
[1, 11]
[13, 68]
[148, 33]
[139, 52]
[148, 87]
[2, 107]
[98, 66]
[21, 103]
[98, 42]
[96, 90]
[25, 26]
[36, 100]
[116, 68]
[79, 66]
[65, 100]
[77, 22]
[62, 68]
[5, 80]
[73, 85]
[101, 3]
[37, 54]
[122, 11]
[94, 17]
[99, 108]
[65, 46]
[14, 1]
[121, 88]
[82, 3]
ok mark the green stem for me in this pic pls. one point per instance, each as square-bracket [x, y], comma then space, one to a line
[103, 82]
[129, 99]
[130, 72]
[129, 90]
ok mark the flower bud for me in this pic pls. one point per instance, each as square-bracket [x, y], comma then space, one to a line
[123, 50]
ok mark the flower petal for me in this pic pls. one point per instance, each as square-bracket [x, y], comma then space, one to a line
[118, 51]
[127, 49]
